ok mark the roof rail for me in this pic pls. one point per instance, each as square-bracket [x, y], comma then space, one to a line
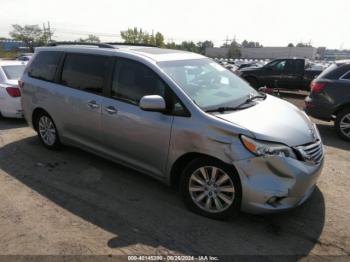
[100, 45]
[131, 44]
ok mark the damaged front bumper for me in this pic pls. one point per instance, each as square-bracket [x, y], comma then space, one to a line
[274, 183]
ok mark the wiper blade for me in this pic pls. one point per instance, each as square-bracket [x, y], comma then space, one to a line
[225, 108]
[222, 109]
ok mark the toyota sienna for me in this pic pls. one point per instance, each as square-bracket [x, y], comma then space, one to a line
[179, 117]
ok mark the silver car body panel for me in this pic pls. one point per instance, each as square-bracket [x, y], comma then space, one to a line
[152, 142]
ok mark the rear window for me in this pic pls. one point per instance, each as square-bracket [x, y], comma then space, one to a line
[13, 72]
[45, 65]
[85, 72]
[327, 71]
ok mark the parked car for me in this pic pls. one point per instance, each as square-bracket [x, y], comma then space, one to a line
[179, 117]
[10, 102]
[25, 57]
[287, 73]
[329, 98]
[246, 65]
[231, 67]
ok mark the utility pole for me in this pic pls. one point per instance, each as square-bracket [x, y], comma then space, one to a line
[49, 30]
[227, 41]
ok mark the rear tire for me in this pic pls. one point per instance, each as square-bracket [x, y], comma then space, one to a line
[342, 124]
[211, 188]
[47, 131]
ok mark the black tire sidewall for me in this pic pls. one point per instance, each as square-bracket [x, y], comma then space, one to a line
[57, 143]
[230, 170]
[340, 115]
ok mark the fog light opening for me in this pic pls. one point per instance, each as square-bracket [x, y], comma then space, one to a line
[275, 200]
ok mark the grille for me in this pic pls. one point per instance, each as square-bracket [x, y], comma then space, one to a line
[312, 153]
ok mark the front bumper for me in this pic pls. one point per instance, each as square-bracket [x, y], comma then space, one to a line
[273, 183]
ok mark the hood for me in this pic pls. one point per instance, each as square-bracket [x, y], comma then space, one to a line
[274, 119]
[250, 69]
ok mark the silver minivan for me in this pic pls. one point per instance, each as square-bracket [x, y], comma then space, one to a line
[179, 117]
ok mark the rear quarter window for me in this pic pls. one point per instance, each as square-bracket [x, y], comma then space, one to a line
[335, 71]
[45, 65]
[346, 76]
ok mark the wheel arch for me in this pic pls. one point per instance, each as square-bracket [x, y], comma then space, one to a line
[181, 162]
[36, 114]
[341, 107]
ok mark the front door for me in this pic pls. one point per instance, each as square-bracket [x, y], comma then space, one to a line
[273, 74]
[131, 135]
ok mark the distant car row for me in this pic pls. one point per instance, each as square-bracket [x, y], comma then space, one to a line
[243, 63]
[329, 84]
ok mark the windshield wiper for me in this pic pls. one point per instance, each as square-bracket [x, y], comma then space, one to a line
[227, 108]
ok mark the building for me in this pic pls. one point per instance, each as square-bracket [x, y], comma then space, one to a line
[334, 54]
[266, 52]
[10, 45]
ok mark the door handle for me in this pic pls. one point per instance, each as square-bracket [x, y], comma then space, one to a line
[111, 110]
[93, 104]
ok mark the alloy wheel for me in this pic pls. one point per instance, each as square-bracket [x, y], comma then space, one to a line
[211, 189]
[47, 130]
[345, 125]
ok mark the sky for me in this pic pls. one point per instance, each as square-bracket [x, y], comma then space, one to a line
[270, 22]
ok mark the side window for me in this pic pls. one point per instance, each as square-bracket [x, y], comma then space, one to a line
[85, 72]
[280, 66]
[133, 80]
[45, 65]
[346, 76]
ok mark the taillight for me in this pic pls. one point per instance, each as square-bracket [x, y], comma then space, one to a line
[13, 91]
[317, 87]
[20, 83]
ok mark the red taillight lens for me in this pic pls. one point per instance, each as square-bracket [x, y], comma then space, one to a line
[13, 91]
[20, 83]
[317, 87]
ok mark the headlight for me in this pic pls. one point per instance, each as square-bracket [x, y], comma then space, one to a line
[263, 148]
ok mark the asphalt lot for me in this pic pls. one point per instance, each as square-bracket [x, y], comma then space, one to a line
[71, 202]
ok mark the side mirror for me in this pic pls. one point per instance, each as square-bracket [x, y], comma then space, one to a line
[152, 103]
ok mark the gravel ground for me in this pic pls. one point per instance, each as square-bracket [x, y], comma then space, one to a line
[73, 203]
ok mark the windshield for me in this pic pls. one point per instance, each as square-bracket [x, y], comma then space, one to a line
[207, 83]
[13, 72]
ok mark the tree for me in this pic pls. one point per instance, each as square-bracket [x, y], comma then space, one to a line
[90, 39]
[290, 45]
[138, 36]
[171, 45]
[304, 45]
[159, 39]
[30, 35]
[189, 46]
[204, 45]
[250, 44]
[234, 50]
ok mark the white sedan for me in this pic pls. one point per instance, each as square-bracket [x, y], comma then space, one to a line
[10, 94]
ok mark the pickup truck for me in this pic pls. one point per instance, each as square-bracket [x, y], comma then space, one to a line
[287, 73]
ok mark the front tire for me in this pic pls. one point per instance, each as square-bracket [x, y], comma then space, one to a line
[47, 131]
[211, 188]
[342, 124]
